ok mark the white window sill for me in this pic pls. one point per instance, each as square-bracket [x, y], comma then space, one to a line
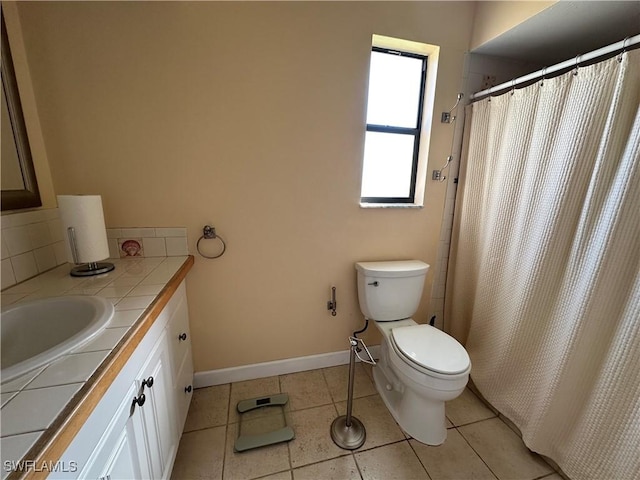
[390, 205]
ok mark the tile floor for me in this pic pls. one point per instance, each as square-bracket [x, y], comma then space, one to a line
[479, 445]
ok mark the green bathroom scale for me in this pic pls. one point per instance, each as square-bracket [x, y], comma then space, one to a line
[262, 427]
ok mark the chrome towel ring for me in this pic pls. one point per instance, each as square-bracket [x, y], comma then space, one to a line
[208, 233]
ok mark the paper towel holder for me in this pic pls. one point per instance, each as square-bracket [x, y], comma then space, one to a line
[85, 269]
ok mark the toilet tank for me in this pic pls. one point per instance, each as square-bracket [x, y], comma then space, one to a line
[390, 290]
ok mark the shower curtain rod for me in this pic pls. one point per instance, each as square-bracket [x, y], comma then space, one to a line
[614, 47]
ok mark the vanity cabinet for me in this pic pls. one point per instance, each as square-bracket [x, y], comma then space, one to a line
[135, 428]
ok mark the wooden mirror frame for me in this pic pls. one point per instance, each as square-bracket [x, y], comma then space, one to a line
[30, 196]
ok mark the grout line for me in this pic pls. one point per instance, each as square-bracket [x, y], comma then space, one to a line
[474, 451]
[326, 382]
[474, 421]
[353, 456]
[418, 457]
[211, 427]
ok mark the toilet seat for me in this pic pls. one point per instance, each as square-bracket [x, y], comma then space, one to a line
[431, 350]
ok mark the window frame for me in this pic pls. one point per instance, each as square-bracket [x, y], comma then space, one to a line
[415, 132]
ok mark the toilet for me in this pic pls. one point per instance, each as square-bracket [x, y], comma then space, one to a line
[420, 367]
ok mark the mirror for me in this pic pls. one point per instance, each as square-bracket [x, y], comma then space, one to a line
[19, 185]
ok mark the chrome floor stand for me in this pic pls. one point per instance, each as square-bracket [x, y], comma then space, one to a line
[347, 431]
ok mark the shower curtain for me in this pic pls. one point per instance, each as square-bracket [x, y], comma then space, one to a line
[545, 286]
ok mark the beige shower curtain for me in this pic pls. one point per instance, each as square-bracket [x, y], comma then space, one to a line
[545, 283]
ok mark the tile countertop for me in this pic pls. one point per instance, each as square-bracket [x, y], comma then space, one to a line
[34, 405]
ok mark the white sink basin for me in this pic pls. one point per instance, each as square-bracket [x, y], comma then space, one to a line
[37, 332]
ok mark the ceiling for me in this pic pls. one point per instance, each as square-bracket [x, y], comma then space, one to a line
[565, 30]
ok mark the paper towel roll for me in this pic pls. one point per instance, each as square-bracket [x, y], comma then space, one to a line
[84, 214]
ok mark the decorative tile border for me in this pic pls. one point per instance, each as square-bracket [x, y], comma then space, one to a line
[147, 242]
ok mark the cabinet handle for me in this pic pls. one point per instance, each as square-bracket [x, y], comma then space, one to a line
[182, 337]
[187, 389]
[139, 401]
[147, 383]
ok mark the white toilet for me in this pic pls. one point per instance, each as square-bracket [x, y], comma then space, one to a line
[420, 367]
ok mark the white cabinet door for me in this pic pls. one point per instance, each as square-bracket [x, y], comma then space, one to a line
[116, 456]
[179, 339]
[154, 418]
[184, 390]
[123, 464]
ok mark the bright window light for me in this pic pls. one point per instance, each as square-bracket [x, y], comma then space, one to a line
[394, 90]
[394, 116]
[388, 159]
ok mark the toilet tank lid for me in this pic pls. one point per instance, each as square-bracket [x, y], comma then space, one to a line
[398, 268]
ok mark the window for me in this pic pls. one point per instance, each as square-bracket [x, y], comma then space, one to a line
[394, 119]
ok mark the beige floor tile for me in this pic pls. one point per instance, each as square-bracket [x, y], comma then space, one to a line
[338, 382]
[208, 408]
[200, 455]
[391, 462]
[260, 387]
[503, 451]
[253, 463]
[313, 441]
[343, 468]
[452, 460]
[305, 389]
[380, 426]
[467, 408]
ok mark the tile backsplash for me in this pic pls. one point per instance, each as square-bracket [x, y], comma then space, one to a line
[33, 242]
[147, 242]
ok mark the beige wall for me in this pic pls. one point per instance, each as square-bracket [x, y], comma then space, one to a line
[249, 116]
[29, 106]
[492, 19]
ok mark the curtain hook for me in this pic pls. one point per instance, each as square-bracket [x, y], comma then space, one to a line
[575, 68]
[458, 98]
[544, 73]
[513, 86]
[624, 49]
[446, 165]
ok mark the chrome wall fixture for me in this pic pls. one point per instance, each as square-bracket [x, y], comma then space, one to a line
[209, 233]
[447, 117]
[332, 304]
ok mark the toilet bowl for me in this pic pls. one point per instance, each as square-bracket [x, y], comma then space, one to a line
[420, 367]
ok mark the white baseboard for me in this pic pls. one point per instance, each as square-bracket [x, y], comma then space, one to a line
[278, 367]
